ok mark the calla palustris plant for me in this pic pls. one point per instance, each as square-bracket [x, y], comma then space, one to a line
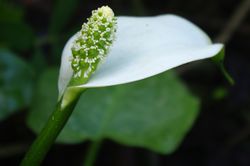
[111, 50]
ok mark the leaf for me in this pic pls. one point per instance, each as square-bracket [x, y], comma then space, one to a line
[155, 113]
[144, 47]
[15, 84]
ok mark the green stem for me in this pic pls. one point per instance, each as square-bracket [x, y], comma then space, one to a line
[92, 153]
[51, 130]
[226, 74]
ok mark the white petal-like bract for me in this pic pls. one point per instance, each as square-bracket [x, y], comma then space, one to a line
[144, 46]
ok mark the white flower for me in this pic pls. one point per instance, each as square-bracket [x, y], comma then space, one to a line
[144, 47]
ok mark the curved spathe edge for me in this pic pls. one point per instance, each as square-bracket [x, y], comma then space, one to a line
[216, 50]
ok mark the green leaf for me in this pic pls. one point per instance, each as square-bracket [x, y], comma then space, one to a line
[155, 113]
[15, 84]
[63, 11]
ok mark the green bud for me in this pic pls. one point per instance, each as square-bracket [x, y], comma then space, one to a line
[92, 44]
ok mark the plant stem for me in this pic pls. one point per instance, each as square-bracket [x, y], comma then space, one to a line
[51, 130]
[92, 153]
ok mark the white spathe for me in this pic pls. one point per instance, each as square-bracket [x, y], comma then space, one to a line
[144, 47]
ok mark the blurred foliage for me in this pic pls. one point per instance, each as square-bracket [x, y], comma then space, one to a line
[15, 83]
[63, 11]
[220, 93]
[61, 15]
[21, 39]
[10, 12]
[155, 113]
[38, 61]
[15, 33]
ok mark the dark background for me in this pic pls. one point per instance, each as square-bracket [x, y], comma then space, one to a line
[221, 133]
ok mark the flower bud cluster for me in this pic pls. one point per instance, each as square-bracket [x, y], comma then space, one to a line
[92, 43]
